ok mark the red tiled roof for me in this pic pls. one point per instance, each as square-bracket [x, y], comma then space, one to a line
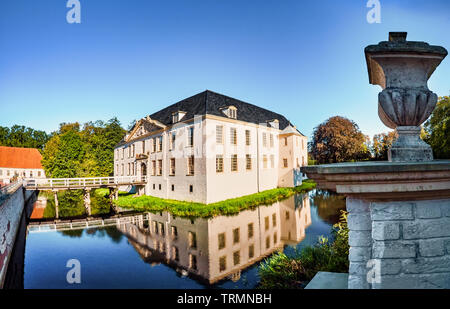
[15, 157]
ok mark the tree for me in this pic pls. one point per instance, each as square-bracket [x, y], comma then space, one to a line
[86, 152]
[21, 136]
[338, 139]
[381, 144]
[437, 129]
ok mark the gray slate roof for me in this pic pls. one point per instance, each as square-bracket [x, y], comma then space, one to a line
[209, 102]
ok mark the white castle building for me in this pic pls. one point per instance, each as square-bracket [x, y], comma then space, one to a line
[211, 147]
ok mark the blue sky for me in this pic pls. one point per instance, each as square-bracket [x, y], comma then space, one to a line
[129, 58]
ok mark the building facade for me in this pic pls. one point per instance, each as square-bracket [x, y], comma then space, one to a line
[16, 163]
[211, 147]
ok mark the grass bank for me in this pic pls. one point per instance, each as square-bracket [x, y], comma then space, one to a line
[294, 272]
[226, 207]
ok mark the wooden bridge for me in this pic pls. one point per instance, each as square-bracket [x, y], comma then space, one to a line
[53, 184]
[85, 184]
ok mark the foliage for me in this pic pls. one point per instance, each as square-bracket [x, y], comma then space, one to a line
[86, 152]
[21, 136]
[283, 272]
[227, 207]
[328, 205]
[338, 139]
[437, 129]
[381, 144]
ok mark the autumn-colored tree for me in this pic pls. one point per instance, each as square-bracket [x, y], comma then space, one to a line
[437, 129]
[381, 144]
[338, 139]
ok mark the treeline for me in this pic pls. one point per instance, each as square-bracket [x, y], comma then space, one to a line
[339, 139]
[82, 151]
[21, 136]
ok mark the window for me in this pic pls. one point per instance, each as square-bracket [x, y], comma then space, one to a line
[234, 163]
[219, 134]
[39, 173]
[275, 238]
[287, 215]
[172, 167]
[267, 242]
[160, 143]
[236, 235]
[190, 166]
[248, 162]
[172, 140]
[134, 150]
[1, 172]
[221, 239]
[191, 188]
[274, 219]
[285, 162]
[271, 140]
[154, 145]
[159, 186]
[303, 161]
[251, 251]
[190, 141]
[192, 240]
[154, 186]
[285, 141]
[264, 137]
[233, 136]
[266, 223]
[264, 161]
[159, 167]
[247, 137]
[173, 187]
[123, 152]
[123, 170]
[233, 113]
[143, 146]
[129, 169]
[176, 254]
[272, 161]
[174, 231]
[222, 263]
[161, 228]
[154, 168]
[155, 227]
[236, 257]
[193, 261]
[250, 230]
[219, 163]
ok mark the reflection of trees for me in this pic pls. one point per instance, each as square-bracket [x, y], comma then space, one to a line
[72, 233]
[328, 205]
[99, 204]
[113, 233]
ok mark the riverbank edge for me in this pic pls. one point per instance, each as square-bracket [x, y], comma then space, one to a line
[195, 210]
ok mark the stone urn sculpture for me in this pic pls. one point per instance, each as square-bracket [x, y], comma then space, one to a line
[402, 68]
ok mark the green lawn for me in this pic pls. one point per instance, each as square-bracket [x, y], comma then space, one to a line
[226, 207]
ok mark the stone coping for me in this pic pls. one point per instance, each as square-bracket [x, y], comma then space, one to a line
[377, 167]
[384, 180]
[329, 281]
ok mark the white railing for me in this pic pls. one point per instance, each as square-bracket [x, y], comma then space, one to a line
[36, 183]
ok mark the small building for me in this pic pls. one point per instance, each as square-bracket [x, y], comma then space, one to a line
[211, 147]
[16, 162]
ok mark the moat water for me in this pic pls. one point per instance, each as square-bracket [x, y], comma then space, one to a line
[157, 250]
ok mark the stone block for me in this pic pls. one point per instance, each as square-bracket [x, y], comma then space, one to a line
[359, 221]
[447, 246]
[358, 282]
[390, 266]
[428, 209]
[445, 208]
[423, 228]
[385, 230]
[393, 250]
[427, 265]
[360, 254]
[391, 211]
[431, 247]
[359, 238]
[358, 268]
[357, 205]
[414, 281]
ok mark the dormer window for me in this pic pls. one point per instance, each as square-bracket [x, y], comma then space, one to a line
[177, 116]
[274, 123]
[230, 111]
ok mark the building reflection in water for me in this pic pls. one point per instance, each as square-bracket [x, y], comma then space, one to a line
[210, 250]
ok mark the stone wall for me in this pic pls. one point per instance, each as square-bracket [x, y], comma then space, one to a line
[404, 244]
[11, 211]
